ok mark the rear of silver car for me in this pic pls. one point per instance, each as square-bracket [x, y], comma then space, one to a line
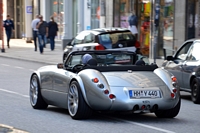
[131, 91]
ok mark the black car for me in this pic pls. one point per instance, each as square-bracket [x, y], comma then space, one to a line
[185, 65]
[102, 39]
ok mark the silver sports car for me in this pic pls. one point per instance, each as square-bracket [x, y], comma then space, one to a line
[105, 81]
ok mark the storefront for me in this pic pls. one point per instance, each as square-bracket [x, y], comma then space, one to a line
[142, 9]
[152, 16]
[167, 17]
[192, 19]
[95, 14]
[56, 10]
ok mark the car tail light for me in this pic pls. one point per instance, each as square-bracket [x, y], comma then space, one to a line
[174, 83]
[143, 107]
[137, 44]
[95, 80]
[172, 95]
[174, 79]
[112, 96]
[99, 47]
[106, 91]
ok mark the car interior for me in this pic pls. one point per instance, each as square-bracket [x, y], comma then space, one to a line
[109, 62]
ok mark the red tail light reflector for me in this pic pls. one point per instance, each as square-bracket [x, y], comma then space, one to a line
[143, 107]
[95, 80]
[112, 96]
[172, 95]
[99, 47]
[174, 79]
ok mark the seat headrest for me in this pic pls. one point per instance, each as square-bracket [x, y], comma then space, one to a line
[140, 62]
[92, 62]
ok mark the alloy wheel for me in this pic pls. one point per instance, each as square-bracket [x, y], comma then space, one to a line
[73, 100]
[34, 91]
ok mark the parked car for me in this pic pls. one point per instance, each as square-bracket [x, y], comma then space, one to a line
[102, 39]
[185, 65]
[109, 81]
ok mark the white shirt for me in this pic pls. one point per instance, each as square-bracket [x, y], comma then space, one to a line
[34, 24]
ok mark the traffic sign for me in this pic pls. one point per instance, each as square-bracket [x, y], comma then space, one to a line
[29, 9]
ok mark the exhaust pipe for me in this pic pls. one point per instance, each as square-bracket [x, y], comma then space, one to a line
[154, 108]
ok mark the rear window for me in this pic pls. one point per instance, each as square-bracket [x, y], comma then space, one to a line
[112, 40]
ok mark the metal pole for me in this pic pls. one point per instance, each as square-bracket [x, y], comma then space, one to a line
[2, 29]
[38, 6]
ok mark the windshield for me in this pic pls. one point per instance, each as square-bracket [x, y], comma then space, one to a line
[109, 59]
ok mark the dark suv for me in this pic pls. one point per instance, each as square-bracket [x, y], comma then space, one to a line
[102, 39]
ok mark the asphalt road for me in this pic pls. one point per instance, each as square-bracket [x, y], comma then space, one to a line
[16, 111]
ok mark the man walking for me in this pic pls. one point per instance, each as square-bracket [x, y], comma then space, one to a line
[9, 28]
[42, 27]
[35, 30]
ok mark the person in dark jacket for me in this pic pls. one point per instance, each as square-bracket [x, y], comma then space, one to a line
[53, 29]
[9, 28]
[42, 27]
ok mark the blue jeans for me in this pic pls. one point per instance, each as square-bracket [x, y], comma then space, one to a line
[8, 34]
[35, 39]
[41, 38]
[52, 42]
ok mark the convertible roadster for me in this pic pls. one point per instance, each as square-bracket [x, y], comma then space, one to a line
[105, 81]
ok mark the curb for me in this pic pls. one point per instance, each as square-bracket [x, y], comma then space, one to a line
[10, 129]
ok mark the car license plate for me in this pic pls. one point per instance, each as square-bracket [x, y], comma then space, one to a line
[144, 94]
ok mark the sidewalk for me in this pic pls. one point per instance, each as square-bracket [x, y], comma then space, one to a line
[21, 50]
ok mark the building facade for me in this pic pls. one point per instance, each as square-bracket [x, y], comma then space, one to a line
[161, 23]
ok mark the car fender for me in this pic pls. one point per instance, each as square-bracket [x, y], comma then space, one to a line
[166, 77]
[94, 94]
[38, 74]
[80, 82]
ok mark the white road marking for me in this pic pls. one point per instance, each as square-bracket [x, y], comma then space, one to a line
[144, 125]
[5, 65]
[134, 123]
[12, 92]
[18, 67]
[31, 70]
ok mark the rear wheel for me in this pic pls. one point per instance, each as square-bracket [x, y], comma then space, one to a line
[170, 113]
[78, 108]
[195, 91]
[36, 99]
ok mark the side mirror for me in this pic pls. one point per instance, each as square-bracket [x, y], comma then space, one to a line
[169, 58]
[60, 66]
[69, 43]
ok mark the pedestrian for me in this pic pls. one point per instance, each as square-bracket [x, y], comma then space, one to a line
[35, 30]
[42, 27]
[133, 21]
[9, 28]
[53, 29]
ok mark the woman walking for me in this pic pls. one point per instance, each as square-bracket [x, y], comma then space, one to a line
[53, 29]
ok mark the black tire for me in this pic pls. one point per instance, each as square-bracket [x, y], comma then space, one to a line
[36, 99]
[78, 108]
[170, 113]
[195, 91]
